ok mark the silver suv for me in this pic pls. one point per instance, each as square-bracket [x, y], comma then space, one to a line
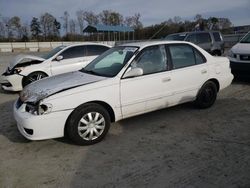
[211, 41]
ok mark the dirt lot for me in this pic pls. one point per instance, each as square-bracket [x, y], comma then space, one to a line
[176, 147]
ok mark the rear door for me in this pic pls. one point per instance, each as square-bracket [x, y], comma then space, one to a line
[203, 40]
[189, 72]
[73, 60]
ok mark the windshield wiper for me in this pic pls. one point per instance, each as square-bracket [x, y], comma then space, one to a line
[90, 72]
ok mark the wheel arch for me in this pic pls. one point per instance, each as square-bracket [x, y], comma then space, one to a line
[33, 73]
[216, 83]
[102, 103]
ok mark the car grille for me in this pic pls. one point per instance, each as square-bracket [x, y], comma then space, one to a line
[245, 57]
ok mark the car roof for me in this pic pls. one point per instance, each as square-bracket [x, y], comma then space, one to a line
[85, 43]
[151, 43]
[182, 33]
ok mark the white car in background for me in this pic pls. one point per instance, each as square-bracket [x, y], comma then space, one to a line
[25, 69]
[125, 81]
[239, 57]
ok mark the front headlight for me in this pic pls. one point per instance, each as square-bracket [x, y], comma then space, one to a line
[17, 70]
[39, 109]
[44, 109]
[230, 54]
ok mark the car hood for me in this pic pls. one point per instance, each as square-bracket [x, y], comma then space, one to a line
[241, 48]
[41, 89]
[23, 59]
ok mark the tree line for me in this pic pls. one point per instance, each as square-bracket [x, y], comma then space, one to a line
[49, 28]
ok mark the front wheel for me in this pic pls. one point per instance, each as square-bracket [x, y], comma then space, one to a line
[33, 77]
[88, 124]
[207, 95]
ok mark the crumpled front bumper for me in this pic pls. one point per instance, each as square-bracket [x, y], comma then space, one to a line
[11, 82]
[40, 127]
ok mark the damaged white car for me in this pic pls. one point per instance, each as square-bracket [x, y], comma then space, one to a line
[25, 69]
[125, 81]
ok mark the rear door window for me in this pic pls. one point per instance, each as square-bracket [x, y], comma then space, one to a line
[191, 38]
[94, 50]
[183, 55]
[73, 52]
[203, 38]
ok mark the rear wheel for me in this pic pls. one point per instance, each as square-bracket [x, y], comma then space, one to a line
[207, 95]
[216, 53]
[33, 77]
[88, 124]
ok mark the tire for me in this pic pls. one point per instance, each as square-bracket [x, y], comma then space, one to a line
[34, 76]
[88, 124]
[207, 95]
[216, 53]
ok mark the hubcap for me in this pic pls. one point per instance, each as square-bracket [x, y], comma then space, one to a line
[91, 126]
[36, 77]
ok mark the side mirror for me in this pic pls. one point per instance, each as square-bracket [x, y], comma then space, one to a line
[59, 58]
[133, 72]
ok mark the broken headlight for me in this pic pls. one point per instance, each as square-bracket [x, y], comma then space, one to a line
[39, 109]
[17, 70]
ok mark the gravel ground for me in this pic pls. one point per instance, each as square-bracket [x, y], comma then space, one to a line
[175, 147]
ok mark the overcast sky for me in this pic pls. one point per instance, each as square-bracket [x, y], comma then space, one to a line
[152, 12]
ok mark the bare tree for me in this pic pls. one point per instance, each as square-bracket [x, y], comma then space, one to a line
[90, 18]
[65, 19]
[109, 17]
[15, 26]
[133, 21]
[72, 26]
[50, 26]
[80, 19]
[35, 28]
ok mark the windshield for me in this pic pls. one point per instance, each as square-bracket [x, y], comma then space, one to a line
[53, 52]
[111, 62]
[180, 37]
[246, 38]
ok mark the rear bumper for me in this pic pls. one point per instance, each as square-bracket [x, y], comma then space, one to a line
[226, 81]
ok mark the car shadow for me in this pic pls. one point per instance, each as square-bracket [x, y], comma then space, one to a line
[241, 80]
[8, 127]
[150, 148]
[8, 92]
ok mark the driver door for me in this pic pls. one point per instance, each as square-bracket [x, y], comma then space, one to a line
[145, 93]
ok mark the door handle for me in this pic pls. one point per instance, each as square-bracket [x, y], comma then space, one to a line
[166, 79]
[204, 71]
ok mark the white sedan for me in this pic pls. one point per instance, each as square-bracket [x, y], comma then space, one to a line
[125, 81]
[25, 69]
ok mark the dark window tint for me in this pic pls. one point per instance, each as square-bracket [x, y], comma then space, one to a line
[217, 36]
[73, 52]
[152, 60]
[94, 50]
[191, 38]
[180, 37]
[182, 56]
[203, 38]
